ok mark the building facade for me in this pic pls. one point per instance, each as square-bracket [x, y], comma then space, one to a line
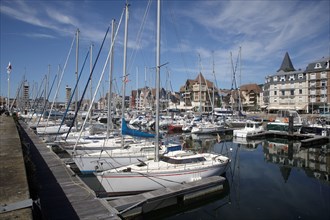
[318, 81]
[286, 89]
[305, 91]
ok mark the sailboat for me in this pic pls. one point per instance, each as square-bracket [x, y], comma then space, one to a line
[116, 151]
[173, 168]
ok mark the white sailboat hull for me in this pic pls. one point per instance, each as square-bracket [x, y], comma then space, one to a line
[53, 129]
[155, 175]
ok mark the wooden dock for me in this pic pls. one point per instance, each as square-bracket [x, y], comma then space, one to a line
[154, 200]
[15, 198]
[305, 139]
[62, 194]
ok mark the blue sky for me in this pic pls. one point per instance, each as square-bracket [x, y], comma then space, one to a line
[36, 34]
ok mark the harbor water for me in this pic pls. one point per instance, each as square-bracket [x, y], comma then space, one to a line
[268, 179]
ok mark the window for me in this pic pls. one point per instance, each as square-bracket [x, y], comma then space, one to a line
[275, 92]
[275, 78]
[323, 74]
[317, 66]
[300, 76]
[292, 92]
[291, 77]
[300, 91]
[323, 83]
[282, 79]
[283, 92]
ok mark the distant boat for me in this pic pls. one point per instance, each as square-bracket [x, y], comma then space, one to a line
[281, 122]
[206, 127]
[251, 127]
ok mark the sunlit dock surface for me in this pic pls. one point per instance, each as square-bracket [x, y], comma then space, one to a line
[15, 199]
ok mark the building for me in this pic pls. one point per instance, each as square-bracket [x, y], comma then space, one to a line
[286, 89]
[26, 97]
[145, 98]
[318, 81]
[67, 95]
[250, 96]
[199, 94]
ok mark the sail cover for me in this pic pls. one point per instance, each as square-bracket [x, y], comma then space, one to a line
[125, 130]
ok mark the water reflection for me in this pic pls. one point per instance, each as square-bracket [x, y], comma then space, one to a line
[247, 144]
[315, 161]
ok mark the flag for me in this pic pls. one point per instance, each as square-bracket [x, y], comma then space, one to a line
[126, 79]
[9, 68]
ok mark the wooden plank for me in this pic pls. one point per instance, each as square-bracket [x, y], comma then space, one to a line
[164, 193]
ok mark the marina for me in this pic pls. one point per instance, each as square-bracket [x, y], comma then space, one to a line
[253, 169]
[252, 151]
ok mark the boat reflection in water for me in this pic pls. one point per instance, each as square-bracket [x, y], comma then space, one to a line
[315, 161]
[247, 144]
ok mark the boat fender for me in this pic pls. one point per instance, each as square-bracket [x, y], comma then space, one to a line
[128, 169]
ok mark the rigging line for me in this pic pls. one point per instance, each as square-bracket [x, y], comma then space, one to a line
[138, 38]
[178, 37]
[58, 86]
[51, 88]
[89, 79]
[73, 92]
[90, 76]
[16, 96]
[36, 98]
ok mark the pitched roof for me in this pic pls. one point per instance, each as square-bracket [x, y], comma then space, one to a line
[251, 87]
[323, 65]
[286, 64]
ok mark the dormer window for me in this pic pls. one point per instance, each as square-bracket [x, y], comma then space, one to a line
[291, 77]
[300, 76]
[275, 78]
[282, 79]
[317, 66]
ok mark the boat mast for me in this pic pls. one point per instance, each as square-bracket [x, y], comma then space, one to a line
[76, 95]
[213, 88]
[200, 85]
[109, 120]
[157, 81]
[90, 70]
[124, 70]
